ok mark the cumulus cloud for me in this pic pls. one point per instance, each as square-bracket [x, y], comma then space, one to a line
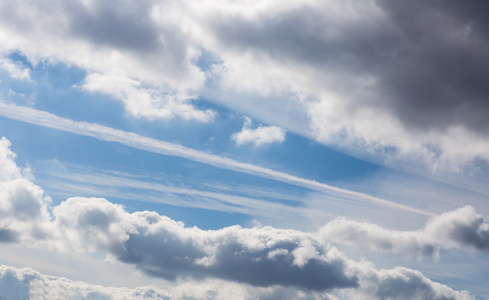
[15, 70]
[398, 283]
[23, 205]
[261, 136]
[29, 284]
[409, 78]
[377, 73]
[402, 283]
[151, 63]
[460, 228]
[266, 259]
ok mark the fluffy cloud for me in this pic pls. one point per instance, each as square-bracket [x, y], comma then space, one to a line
[23, 206]
[460, 228]
[15, 71]
[402, 283]
[119, 43]
[260, 136]
[379, 74]
[267, 259]
[409, 78]
[29, 284]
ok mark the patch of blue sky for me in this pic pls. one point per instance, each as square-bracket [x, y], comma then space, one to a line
[56, 92]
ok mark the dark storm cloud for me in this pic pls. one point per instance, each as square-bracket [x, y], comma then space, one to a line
[167, 255]
[438, 77]
[430, 58]
[308, 35]
[122, 24]
[7, 236]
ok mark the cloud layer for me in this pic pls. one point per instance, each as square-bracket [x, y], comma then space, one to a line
[402, 80]
[29, 284]
[460, 228]
[161, 247]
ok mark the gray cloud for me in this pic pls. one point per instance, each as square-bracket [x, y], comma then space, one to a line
[401, 283]
[258, 258]
[391, 74]
[29, 284]
[164, 248]
[430, 59]
[7, 236]
[460, 228]
[437, 77]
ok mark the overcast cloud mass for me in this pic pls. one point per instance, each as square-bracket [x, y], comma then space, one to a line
[317, 149]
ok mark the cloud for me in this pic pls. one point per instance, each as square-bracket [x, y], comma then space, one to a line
[399, 283]
[264, 257]
[460, 228]
[118, 43]
[15, 70]
[402, 283]
[260, 136]
[136, 141]
[147, 102]
[26, 283]
[380, 76]
[164, 248]
[23, 206]
[403, 81]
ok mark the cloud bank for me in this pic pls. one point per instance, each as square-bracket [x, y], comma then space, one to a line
[161, 247]
[26, 283]
[401, 80]
[460, 228]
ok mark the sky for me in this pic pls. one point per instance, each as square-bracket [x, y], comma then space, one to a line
[317, 149]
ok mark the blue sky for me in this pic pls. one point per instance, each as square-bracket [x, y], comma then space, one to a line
[244, 150]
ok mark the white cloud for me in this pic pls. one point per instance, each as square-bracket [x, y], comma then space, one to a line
[344, 86]
[147, 102]
[161, 247]
[29, 284]
[261, 136]
[460, 228]
[402, 283]
[152, 64]
[15, 70]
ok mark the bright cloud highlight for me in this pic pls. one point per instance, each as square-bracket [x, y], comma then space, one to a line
[260, 136]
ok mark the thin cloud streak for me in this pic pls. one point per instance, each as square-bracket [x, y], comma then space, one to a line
[45, 119]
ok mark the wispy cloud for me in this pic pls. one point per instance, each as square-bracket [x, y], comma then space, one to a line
[164, 248]
[42, 118]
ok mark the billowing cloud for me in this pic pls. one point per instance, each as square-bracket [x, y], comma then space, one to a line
[460, 228]
[118, 44]
[402, 283]
[29, 284]
[386, 75]
[264, 257]
[23, 206]
[261, 136]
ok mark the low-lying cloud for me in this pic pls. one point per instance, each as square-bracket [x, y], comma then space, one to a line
[409, 78]
[461, 228]
[161, 247]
